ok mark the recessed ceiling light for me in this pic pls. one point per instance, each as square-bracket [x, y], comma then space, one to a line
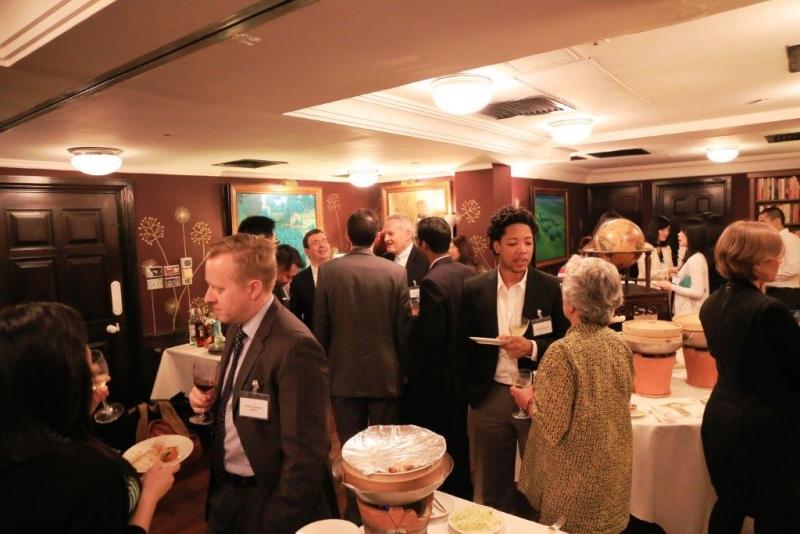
[96, 161]
[571, 131]
[722, 154]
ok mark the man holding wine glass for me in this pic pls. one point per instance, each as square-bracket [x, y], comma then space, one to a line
[496, 305]
[270, 404]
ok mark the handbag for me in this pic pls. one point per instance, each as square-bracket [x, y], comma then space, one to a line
[160, 418]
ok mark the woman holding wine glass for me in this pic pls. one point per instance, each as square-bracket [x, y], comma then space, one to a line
[578, 457]
[54, 476]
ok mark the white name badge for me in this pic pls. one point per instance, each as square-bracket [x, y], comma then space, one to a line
[254, 405]
[542, 326]
[413, 293]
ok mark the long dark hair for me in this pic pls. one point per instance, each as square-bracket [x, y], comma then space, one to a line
[45, 380]
[696, 237]
[466, 253]
[656, 224]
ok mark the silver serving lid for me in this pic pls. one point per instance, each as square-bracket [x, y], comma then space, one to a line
[389, 449]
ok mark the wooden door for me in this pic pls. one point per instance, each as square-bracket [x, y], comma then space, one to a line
[64, 245]
[625, 199]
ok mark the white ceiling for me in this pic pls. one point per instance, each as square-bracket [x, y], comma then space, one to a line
[337, 84]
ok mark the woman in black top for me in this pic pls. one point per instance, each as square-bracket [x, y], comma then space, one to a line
[751, 426]
[54, 477]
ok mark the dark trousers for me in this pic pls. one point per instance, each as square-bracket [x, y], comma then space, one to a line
[230, 507]
[354, 414]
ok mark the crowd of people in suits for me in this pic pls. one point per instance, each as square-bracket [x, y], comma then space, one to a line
[341, 335]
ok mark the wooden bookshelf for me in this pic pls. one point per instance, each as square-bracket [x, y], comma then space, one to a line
[782, 190]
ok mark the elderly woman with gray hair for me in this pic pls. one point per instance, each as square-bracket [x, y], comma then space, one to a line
[577, 462]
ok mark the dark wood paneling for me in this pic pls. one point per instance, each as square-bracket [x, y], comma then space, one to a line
[625, 199]
[34, 279]
[82, 227]
[680, 199]
[29, 228]
[83, 292]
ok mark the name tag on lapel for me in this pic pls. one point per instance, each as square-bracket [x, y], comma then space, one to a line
[254, 405]
[542, 326]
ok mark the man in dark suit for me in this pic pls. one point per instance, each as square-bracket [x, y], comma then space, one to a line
[361, 318]
[398, 236]
[270, 404]
[289, 264]
[318, 251]
[258, 225]
[491, 303]
[434, 359]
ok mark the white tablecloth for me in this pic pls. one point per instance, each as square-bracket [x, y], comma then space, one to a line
[670, 480]
[175, 371]
[512, 523]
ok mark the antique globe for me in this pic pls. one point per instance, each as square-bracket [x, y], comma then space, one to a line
[620, 241]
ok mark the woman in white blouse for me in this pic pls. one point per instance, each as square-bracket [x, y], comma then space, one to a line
[661, 257]
[690, 283]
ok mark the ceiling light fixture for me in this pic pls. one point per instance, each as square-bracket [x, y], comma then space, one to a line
[96, 161]
[571, 131]
[722, 154]
[363, 178]
[461, 94]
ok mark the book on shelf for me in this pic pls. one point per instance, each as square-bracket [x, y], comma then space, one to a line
[777, 189]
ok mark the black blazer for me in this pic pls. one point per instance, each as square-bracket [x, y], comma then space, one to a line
[301, 301]
[479, 318]
[434, 358]
[751, 426]
[416, 266]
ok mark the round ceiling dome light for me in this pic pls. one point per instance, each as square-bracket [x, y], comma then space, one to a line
[722, 154]
[571, 131]
[363, 178]
[97, 161]
[461, 94]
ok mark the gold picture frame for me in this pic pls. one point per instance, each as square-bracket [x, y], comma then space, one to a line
[417, 200]
[295, 210]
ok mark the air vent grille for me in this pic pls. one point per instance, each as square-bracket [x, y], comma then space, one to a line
[533, 105]
[620, 153]
[250, 163]
[783, 137]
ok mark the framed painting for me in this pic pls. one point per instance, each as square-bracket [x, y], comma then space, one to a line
[418, 200]
[551, 209]
[295, 210]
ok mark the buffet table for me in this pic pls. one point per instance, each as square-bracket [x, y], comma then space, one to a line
[671, 485]
[175, 370]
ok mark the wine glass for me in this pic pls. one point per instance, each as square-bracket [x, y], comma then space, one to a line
[518, 328]
[523, 379]
[204, 373]
[107, 413]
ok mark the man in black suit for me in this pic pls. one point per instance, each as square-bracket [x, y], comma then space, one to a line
[491, 303]
[398, 236]
[434, 380]
[318, 251]
[289, 264]
[271, 403]
[258, 225]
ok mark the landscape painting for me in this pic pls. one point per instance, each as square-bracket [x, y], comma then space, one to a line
[552, 240]
[295, 210]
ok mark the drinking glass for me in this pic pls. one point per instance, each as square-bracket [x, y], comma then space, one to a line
[518, 328]
[107, 413]
[523, 379]
[204, 373]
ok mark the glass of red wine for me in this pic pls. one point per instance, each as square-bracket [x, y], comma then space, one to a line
[205, 379]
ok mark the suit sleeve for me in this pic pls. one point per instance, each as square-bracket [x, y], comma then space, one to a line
[322, 320]
[432, 315]
[467, 347]
[296, 302]
[304, 403]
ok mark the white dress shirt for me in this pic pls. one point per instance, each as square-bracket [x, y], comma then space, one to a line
[402, 258]
[236, 461]
[314, 271]
[789, 270]
[510, 301]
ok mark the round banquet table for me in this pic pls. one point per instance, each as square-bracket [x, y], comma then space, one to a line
[670, 483]
[175, 370]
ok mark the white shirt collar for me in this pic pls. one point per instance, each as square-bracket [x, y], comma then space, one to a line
[314, 272]
[251, 326]
[402, 258]
[502, 285]
[434, 262]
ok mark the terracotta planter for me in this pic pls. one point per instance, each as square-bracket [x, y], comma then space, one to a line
[701, 368]
[652, 375]
[410, 518]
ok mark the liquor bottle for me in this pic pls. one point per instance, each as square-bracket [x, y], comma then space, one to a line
[219, 341]
[192, 326]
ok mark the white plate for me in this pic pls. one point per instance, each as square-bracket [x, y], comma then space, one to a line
[447, 502]
[493, 529]
[142, 461]
[329, 526]
[635, 414]
[486, 341]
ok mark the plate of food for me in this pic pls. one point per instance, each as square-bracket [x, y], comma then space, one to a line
[476, 519]
[166, 449]
[442, 505]
[486, 341]
[636, 412]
